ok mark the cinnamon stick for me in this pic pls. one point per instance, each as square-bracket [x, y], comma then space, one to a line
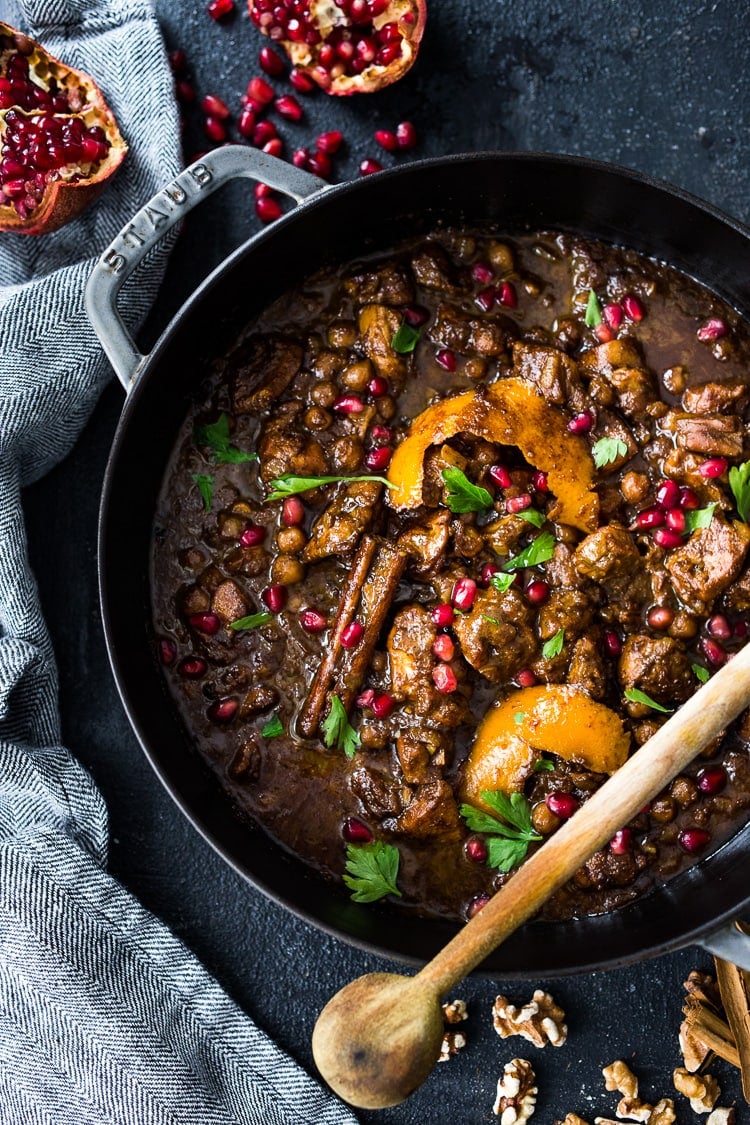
[712, 1031]
[734, 985]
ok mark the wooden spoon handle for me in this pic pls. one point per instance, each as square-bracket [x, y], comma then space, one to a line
[620, 798]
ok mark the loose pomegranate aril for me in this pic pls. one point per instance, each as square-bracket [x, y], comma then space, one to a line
[500, 475]
[215, 130]
[207, 623]
[539, 481]
[536, 593]
[369, 166]
[603, 333]
[719, 627]
[526, 678]
[693, 840]
[650, 517]
[378, 386]
[712, 779]
[192, 667]
[184, 91]
[252, 536]
[301, 157]
[668, 494]
[348, 404]
[178, 61]
[292, 511]
[268, 209]
[476, 850]
[612, 643]
[386, 139]
[275, 597]
[507, 296]
[442, 615]
[486, 297]
[383, 705]
[482, 272]
[381, 433]
[288, 106]
[463, 594]
[613, 316]
[444, 679]
[222, 710]
[660, 617]
[675, 519]
[519, 503]
[366, 698]
[561, 804]
[264, 132]
[260, 90]
[379, 458]
[415, 316]
[713, 467]
[477, 903]
[446, 359]
[741, 629]
[319, 164]
[633, 308]
[330, 143]
[488, 571]
[167, 651]
[667, 539]
[406, 135]
[302, 82]
[271, 62]
[713, 329]
[688, 499]
[713, 652]
[274, 147]
[313, 621]
[581, 423]
[355, 832]
[247, 122]
[352, 634]
[622, 842]
[443, 647]
[218, 9]
[214, 106]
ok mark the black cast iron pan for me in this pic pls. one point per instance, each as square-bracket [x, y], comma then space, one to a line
[335, 225]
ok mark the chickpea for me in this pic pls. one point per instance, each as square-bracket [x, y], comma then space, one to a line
[387, 408]
[501, 257]
[357, 375]
[317, 419]
[192, 559]
[663, 810]
[475, 367]
[327, 365]
[543, 819]
[290, 540]
[634, 487]
[342, 334]
[231, 527]
[324, 394]
[684, 791]
[684, 626]
[675, 380]
[347, 453]
[287, 570]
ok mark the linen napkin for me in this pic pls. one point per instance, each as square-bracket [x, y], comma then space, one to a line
[104, 1015]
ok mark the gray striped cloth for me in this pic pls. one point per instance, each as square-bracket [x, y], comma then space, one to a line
[104, 1015]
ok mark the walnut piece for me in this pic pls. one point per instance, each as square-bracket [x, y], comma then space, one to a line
[572, 1119]
[663, 1113]
[516, 1093]
[455, 1011]
[618, 1076]
[694, 1053]
[453, 1042]
[703, 988]
[540, 1021]
[703, 1090]
[721, 1116]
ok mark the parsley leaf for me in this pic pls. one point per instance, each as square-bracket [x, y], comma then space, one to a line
[696, 518]
[543, 764]
[492, 620]
[606, 450]
[371, 870]
[502, 582]
[462, 495]
[206, 489]
[519, 717]
[273, 728]
[701, 673]
[593, 315]
[338, 731]
[636, 696]
[510, 829]
[531, 515]
[553, 647]
[216, 437]
[252, 621]
[290, 485]
[540, 550]
[405, 338]
[739, 482]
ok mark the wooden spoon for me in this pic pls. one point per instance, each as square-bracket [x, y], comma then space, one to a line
[379, 1037]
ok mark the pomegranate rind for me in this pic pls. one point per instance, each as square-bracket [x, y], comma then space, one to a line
[62, 200]
[372, 78]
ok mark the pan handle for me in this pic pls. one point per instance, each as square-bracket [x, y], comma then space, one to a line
[168, 207]
[731, 942]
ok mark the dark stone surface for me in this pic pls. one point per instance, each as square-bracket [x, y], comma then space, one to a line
[661, 88]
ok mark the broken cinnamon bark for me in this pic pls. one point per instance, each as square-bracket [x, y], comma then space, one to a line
[710, 1030]
[734, 985]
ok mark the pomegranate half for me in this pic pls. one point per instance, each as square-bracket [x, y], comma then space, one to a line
[346, 46]
[59, 141]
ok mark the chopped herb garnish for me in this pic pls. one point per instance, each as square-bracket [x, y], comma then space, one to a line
[405, 338]
[606, 450]
[739, 482]
[290, 485]
[696, 518]
[502, 582]
[338, 731]
[463, 496]
[541, 550]
[532, 515]
[492, 620]
[216, 437]
[593, 314]
[371, 871]
[701, 673]
[252, 621]
[519, 717]
[206, 489]
[273, 728]
[554, 646]
[542, 764]
[636, 696]
[510, 831]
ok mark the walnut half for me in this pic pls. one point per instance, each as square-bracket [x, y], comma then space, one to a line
[702, 1089]
[516, 1093]
[540, 1021]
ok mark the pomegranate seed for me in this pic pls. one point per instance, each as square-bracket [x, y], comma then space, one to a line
[446, 359]
[500, 475]
[507, 296]
[741, 629]
[713, 329]
[415, 316]
[539, 481]
[260, 90]
[612, 643]
[177, 61]
[693, 840]
[313, 621]
[633, 308]
[488, 571]
[268, 209]
[213, 106]
[302, 82]
[482, 272]
[668, 539]
[675, 520]
[207, 623]
[444, 679]
[406, 136]
[352, 634]
[477, 903]
[378, 459]
[386, 139]
[274, 597]
[581, 423]
[603, 333]
[442, 615]
[688, 499]
[378, 386]
[537, 592]
[613, 316]
[222, 710]
[167, 651]
[264, 132]
[252, 536]
[464, 593]
[713, 467]
[383, 705]
[650, 517]
[668, 494]
[349, 404]
[270, 62]
[319, 164]
[660, 617]
[712, 779]
[329, 143]
[366, 698]
[274, 147]
[215, 130]
[355, 832]
[561, 804]
[526, 678]
[368, 166]
[443, 647]
[247, 122]
[292, 511]
[301, 157]
[288, 106]
[476, 849]
[381, 433]
[485, 298]
[519, 503]
[184, 91]
[621, 842]
[713, 652]
[217, 9]
[261, 190]
[719, 627]
[192, 667]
